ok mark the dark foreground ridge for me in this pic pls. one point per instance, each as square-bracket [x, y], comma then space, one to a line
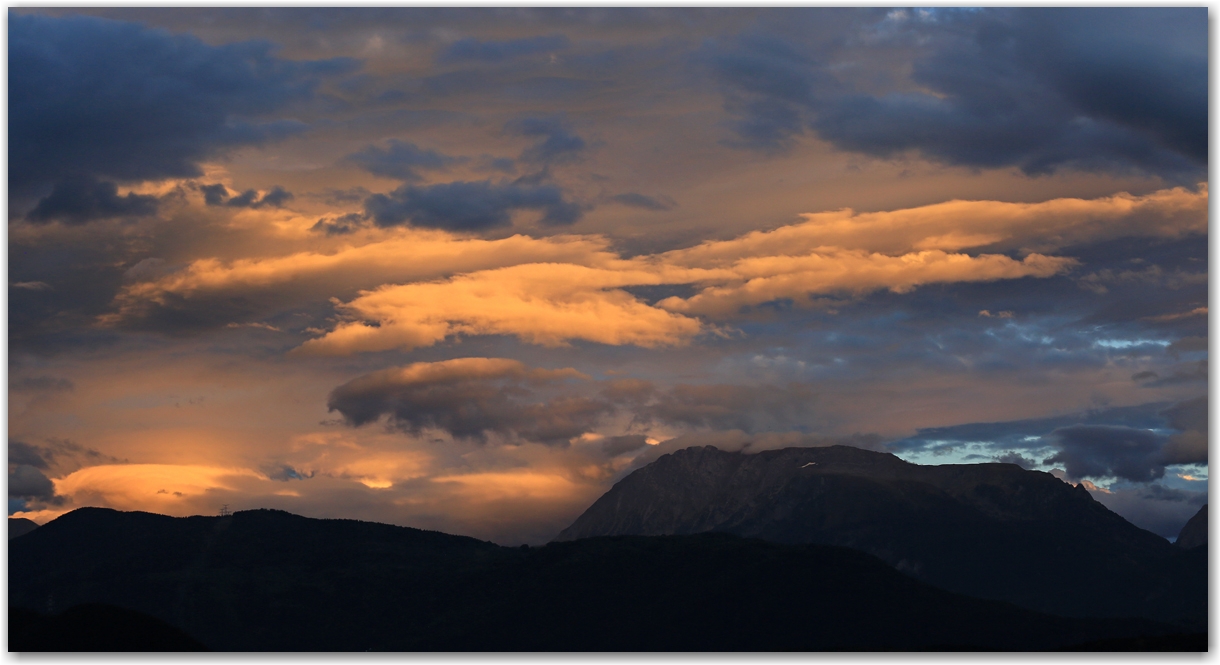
[986, 530]
[271, 581]
[94, 627]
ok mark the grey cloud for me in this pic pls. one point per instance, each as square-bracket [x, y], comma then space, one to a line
[110, 100]
[739, 441]
[1011, 457]
[636, 200]
[218, 195]
[59, 455]
[285, 473]
[341, 225]
[401, 159]
[28, 482]
[1100, 451]
[732, 407]
[614, 446]
[556, 143]
[84, 199]
[22, 453]
[1184, 373]
[1189, 445]
[470, 206]
[1039, 89]
[469, 403]
[473, 50]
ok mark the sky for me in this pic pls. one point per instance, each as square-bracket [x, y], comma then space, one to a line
[464, 269]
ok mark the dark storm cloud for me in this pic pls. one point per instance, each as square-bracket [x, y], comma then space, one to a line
[636, 200]
[79, 200]
[470, 206]
[1039, 89]
[469, 398]
[473, 50]
[28, 482]
[401, 160]
[218, 195]
[1103, 451]
[112, 100]
[22, 453]
[556, 142]
[60, 455]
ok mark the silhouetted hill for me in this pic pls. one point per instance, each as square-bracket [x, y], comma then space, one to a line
[270, 581]
[1194, 533]
[94, 628]
[19, 526]
[987, 530]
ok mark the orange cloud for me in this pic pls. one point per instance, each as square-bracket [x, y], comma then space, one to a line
[800, 278]
[547, 304]
[146, 486]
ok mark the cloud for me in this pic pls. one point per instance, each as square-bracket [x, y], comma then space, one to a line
[468, 398]
[1011, 457]
[470, 205]
[401, 160]
[956, 225]
[272, 284]
[1101, 451]
[636, 200]
[552, 291]
[218, 195]
[56, 455]
[556, 144]
[732, 407]
[139, 486]
[619, 445]
[1040, 89]
[744, 442]
[759, 280]
[473, 50]
[548, 304]
[1189, 444]
[100, 100]
[28, 482]
[84, 199]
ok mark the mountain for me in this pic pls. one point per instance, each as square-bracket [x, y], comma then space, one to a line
[992, 531]
[271, 581]
[19, 526]
[91, 628]
[1194, 533]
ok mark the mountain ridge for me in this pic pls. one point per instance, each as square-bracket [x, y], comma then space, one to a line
[954, 526]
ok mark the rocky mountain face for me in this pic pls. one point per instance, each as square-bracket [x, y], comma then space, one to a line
[1194, 534]
[986, 530]
[271, 581]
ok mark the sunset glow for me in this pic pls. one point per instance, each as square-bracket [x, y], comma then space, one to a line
[465, 269]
